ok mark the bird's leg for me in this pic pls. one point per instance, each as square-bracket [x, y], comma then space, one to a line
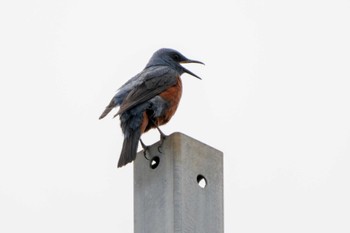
[145, 149]
[162, 135]
[162, 138]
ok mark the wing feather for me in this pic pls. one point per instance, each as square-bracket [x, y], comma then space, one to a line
[155, 82]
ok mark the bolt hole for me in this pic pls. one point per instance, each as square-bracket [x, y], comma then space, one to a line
[154, 162]
[202, 182]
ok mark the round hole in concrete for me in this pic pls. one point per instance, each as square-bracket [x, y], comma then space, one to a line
[202, 182]
[154, 162]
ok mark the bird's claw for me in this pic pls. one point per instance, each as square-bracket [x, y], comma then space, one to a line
[145, 154]
[145, 149]
[162, 139]
[160, 149]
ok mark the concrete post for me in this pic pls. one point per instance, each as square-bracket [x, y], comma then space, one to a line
[180, 190]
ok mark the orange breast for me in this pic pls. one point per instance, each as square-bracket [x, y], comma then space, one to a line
[173, 96]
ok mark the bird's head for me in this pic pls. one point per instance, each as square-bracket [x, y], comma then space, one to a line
[172, 58]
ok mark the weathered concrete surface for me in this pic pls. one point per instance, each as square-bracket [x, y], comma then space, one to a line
[168, 199]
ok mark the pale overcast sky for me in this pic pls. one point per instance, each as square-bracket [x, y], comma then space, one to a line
[274, 98]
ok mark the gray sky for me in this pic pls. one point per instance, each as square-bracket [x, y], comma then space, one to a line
[274, 98]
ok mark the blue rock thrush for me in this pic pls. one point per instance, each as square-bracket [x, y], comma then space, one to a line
[149, 99]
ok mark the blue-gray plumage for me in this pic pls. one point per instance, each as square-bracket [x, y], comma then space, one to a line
[149, 99]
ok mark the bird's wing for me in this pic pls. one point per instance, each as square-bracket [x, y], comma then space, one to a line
[155, 81]
[123, 91]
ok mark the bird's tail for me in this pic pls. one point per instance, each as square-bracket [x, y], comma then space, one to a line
[129, 149]
[109, 108]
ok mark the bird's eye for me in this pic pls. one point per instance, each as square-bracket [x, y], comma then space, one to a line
[176, 57]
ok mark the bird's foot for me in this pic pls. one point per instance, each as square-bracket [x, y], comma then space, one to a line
[145, 149]
[162, 135]
[162, 139]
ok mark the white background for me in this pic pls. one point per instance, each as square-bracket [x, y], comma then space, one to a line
[274, 98]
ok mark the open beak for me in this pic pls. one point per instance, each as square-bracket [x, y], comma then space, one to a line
[189, 72]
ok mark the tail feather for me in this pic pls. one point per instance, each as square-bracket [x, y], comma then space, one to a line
[109, 108]
[129, 149]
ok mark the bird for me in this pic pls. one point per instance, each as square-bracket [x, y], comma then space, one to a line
[149, 99]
